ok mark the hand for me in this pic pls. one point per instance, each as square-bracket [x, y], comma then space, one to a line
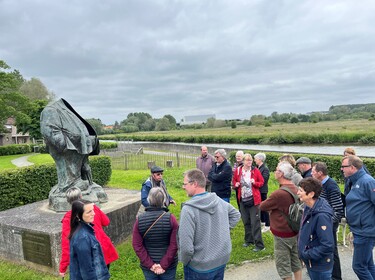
[157, 269]
[173, 202]
[62, 274]
[237, 184]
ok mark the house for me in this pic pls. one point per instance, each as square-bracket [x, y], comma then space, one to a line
[11, 136]
[197, 119]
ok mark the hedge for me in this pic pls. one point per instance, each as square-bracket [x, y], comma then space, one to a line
[17, 149]
[30, 184]
[333, 162]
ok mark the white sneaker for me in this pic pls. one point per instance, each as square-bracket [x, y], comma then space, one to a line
[265, 229]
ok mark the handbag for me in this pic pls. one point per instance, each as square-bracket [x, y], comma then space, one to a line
[154, 224]
[248, 201]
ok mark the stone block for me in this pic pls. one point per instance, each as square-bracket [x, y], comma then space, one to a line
[31, 234]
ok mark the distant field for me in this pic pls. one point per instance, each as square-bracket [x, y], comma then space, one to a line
[364, 126]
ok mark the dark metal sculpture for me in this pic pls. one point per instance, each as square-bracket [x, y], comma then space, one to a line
[70, 140]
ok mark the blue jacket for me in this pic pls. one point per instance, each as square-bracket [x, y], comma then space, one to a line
[221, 178]
[146, 187]
[316, 238]
[86, 256]
[360, 204]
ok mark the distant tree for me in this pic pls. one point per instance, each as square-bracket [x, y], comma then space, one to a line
[137, 119]
[220, 123]
[35, 89]
[116, 125]
[149, 125]
[258, 119]
[163, 124]
[294, 119]
[172, 121]
[233, 124]
[96, 124]
[10, 81]
[210, 122]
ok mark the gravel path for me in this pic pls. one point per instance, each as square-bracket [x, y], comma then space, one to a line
[266, 270]
[22, 161]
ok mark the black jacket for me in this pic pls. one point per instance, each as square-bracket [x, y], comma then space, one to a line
[221, 178]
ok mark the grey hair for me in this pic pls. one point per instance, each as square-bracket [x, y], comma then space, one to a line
[261, 156]
[221, 152]
[73, 194]
[240, 153]
[287, 169]
[156, 197]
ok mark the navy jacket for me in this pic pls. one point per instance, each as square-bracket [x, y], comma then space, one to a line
[360, 204]
[221, 178]
[86, 256]
[316, 238]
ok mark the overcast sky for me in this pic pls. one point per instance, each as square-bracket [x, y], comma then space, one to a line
[229, 58]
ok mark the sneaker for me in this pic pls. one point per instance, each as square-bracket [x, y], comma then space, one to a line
[257, 249]
[247, 244]
[265, 229]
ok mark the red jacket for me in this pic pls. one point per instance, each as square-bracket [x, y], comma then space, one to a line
[259, 181]
[100, 220]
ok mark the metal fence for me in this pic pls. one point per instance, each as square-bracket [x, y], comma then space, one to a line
[123, 160]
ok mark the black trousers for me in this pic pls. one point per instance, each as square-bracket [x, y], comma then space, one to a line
[336, 272]
[264, 216]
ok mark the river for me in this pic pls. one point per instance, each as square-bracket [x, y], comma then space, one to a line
[362, 151]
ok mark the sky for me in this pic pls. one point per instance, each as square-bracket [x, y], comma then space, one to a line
[231, 58]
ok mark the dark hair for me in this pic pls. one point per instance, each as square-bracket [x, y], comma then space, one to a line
[321, 166]
[311, 184]
[76, 217]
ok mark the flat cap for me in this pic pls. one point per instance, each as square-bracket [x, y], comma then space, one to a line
[303, 160]
[156, 169]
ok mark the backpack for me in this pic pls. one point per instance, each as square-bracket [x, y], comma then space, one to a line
[295, 212]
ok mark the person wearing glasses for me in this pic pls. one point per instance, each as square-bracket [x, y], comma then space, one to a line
[155, 181]
[360, 215]
[220, 175]
[204, 233]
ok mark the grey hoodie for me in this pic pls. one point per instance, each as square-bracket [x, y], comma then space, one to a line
[204, 232]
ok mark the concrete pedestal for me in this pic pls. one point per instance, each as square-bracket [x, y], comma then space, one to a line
[31, 234]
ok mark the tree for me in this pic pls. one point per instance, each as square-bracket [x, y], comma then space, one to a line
[97, 125]
[31, 124]
[233, 124]
[210, 122]
[35, 89]
[172, 121]
[10, 81]
[163, 124]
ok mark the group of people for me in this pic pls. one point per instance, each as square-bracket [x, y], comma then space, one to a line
[201, 241]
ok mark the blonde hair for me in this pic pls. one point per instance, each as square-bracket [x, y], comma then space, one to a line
[349, 151]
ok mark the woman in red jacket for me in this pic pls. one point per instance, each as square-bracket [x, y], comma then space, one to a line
[100, 220]
[248, 180]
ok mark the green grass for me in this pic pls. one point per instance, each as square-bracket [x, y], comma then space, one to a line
[6, 161]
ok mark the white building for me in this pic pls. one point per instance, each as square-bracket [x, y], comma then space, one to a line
[197, 119]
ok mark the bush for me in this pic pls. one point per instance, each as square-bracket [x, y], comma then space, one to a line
[15, 149]
[30, 184]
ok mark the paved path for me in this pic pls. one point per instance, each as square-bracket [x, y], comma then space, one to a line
[266, 270]
[22, 161]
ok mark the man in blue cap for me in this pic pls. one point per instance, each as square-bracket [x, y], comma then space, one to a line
[155, 181]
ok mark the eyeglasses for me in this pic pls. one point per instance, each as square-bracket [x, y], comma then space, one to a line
[217, 156]
[158, 174]
[343, 166]
[184, 184]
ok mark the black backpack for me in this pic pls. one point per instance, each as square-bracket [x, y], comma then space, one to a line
[295, 212]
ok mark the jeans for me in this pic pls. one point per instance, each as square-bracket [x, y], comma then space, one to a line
[217, 274]
[363, 262]
[169, 274]
[320, 275]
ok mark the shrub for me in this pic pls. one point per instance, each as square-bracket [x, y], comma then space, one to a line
[15, 149]
[30, 184]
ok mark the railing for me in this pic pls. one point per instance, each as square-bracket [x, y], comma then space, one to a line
[147, 159]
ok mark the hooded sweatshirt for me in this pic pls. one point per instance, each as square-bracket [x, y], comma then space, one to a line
[316, 240]
[204, 232]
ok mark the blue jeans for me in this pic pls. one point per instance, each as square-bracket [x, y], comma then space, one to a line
[217, 274]
[169, 274]
[363, 262]
[227, 199]
[320, 275]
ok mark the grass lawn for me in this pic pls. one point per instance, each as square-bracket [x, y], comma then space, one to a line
[6, 161]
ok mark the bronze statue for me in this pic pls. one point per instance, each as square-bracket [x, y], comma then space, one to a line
[70, 140]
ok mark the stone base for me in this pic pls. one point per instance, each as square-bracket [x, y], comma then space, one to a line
[31, 234]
